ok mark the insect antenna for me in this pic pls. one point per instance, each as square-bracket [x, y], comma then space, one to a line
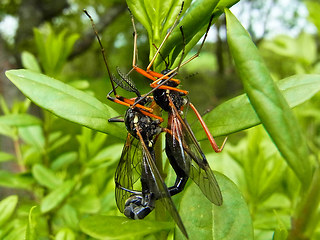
[126, 83]
[166, 37]
[166, 63]
[102, 50]
[200, 48]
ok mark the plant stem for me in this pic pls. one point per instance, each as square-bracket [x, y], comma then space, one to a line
[305, 213]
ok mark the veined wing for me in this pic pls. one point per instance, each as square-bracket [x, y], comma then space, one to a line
[160, 188]
[192, 159]
[128, 173]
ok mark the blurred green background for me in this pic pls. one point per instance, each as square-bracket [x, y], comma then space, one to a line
[285, 32]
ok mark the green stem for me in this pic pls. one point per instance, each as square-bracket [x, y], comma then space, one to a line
[306, 212]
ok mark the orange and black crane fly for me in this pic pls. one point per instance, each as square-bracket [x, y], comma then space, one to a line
[138, 182]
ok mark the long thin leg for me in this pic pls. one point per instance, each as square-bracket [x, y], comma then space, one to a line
[205, 128]
[135, 48]
[129, 103]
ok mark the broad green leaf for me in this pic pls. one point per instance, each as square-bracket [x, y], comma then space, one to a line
[65, 234]
[7, 207]
[19, 120]
[31, 226]
[107, 227]
[5, 157]
[30, 62]
[238, 114]
[45, 176]
[57, 196]
[204, 220]
[19, 181]
[267, 100]
[66, 101]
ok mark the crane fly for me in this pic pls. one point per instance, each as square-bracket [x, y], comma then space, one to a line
[138, 182]
[182, 148]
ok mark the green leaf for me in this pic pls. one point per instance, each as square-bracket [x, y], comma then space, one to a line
[139, 11]
[111, 153]
[195, 23]
[301, 49]
[30, 62]
[57, 196]
[107, 227]
[33, 135]
[53, 48]
[5, 157]
[61, 141]
[237, 113]
[64, 160]
[86, 203]
[79, 84]
[8, 131]
[45, 176]
[31, 226]
[204, 220]
[69, 215]
[66, 101]
[65, 234]
[7, 207]
[19, 181]
[19, 120]
[267, 100]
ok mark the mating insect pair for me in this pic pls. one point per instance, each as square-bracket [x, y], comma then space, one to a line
[138, 159]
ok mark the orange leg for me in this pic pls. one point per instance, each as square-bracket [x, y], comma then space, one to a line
[144, 73]
[169, 88]
[129, 103]
[151, 115]
[161, 76]
[205, 128]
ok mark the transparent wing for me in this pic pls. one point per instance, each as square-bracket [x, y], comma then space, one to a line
[191, 158]
[159, 188]
[128, 173]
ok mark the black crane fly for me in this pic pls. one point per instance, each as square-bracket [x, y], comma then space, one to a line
[138, 159]
[138, 182]
[182, 148]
